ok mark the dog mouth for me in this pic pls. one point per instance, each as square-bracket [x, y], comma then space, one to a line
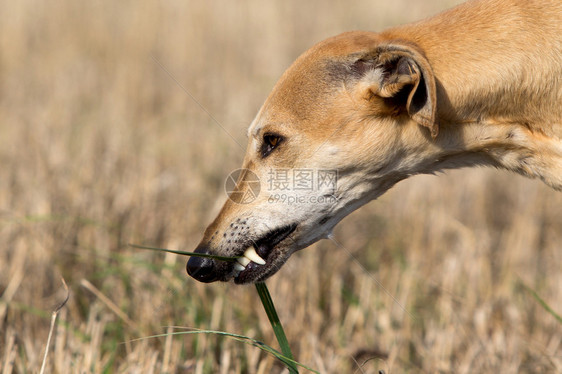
[257, 261]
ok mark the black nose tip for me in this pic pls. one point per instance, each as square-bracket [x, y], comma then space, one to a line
[202, 268]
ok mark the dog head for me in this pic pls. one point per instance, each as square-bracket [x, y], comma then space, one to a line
[342, 126]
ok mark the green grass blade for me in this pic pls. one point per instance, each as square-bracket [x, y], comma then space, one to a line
[286, 356]
[241, 338]
[542, 302]
[277, 326]
[183, 253]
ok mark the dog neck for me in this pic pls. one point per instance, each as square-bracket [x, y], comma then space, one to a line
[499, 143]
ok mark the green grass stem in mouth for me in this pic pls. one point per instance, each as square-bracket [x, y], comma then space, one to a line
[286, 356]
[276, 325]
[183, 253]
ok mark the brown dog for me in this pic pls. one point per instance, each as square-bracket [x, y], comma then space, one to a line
[480, 84]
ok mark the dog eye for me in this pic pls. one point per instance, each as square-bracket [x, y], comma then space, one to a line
[270, 142]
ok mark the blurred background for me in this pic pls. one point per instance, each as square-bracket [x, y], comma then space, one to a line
[104, 141]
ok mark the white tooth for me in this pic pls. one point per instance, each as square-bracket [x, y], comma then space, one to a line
[239, 267]
[252, 255]
[243, 261]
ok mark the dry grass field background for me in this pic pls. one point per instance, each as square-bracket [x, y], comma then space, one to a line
[101, 145]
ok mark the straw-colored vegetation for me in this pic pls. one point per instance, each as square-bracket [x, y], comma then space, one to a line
[99, 147]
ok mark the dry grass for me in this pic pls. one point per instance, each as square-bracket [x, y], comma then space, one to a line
[100, 147]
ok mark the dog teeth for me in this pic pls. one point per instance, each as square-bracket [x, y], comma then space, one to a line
[252, 255]
[244, 261]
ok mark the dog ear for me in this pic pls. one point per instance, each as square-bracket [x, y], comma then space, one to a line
[401, 74]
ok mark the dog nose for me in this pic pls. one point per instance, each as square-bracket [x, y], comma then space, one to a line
[202, 268]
